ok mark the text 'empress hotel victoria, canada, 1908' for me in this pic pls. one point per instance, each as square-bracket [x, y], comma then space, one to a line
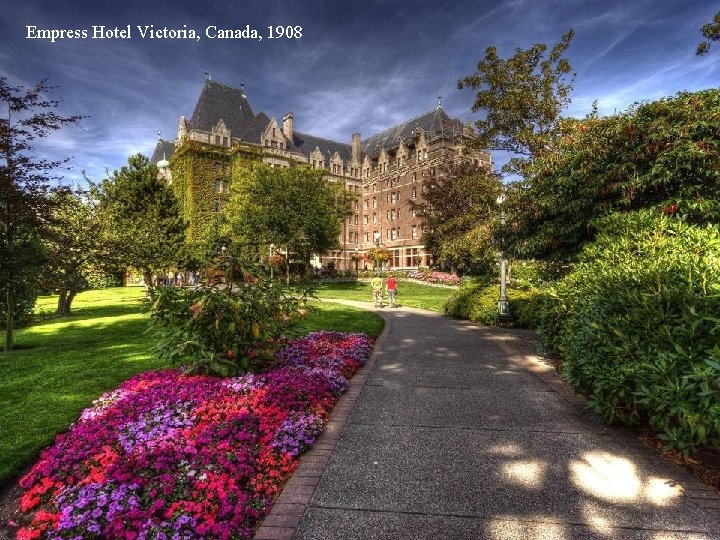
[385, 171]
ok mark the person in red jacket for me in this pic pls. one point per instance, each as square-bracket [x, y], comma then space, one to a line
[391, 286]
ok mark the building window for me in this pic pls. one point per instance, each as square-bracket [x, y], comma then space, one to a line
[387, 198]
[414, 231]
[367, 236]
[414, 212]
[393, 234]
[414, 193]
[387, 234]
[273, 132]
[365, 220]
[217, 206]
[375, 220]
[374, 202]
[366, 204]
[355, 220]
[414, 177]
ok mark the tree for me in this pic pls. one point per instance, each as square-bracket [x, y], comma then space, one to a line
[71, 245]
[24, 185]
[457, 207]
[140, 218]
[711, 32]
[295, 208]
[663, 155]
[523, 98]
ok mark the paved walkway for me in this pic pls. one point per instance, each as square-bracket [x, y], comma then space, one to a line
[456, 431]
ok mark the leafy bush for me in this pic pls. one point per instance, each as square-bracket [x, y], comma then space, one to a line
[529, 274]
[637, 324]
[25, 297]
[224, 330]
[478, 302]
[99, 279]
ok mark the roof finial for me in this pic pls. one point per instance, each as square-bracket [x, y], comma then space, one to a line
[439, 105]
[242, 89]
[207, 76]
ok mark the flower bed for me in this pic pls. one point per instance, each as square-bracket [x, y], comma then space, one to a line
[170, 456]
[437, 278]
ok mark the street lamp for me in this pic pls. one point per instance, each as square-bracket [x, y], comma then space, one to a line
[270, 259]
[503, 305]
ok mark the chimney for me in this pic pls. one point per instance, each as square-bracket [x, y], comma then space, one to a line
[356, 147]
[288, 126]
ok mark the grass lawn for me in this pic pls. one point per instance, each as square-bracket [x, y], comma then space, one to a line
[61, 364]
[409, 294]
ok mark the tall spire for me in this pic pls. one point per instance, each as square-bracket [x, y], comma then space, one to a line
[207, 76]
[439, 103]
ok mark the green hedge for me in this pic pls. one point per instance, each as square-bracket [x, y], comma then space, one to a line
[478, 302]
[637, 323]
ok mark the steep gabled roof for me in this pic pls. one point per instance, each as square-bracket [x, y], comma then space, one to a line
[168, 147]
[305, 144]
[254, 131]
[218, 101]
[432, 123]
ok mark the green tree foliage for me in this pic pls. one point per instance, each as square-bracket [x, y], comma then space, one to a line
[71, 245]
[523, 98]
[27, 114]
[457, 209]
[663, 154]
[141, 220]
[294, 208]
[711, 32]
[636, 323]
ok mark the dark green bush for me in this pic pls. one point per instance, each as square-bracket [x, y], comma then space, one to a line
[25, 297]
[637, 324]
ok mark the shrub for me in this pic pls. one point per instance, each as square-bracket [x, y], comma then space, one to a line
[25, 297]
[637, 324]
[478, 302]
[527, 306]
[99, 279]
[224, 330]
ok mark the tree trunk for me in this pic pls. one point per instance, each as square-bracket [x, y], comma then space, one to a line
[10, 317]
[69, 301]
[147, 278]
[62, 302]
[65, 301]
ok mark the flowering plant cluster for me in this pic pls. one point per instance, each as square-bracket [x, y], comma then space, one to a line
[171, 456]
[440, 278]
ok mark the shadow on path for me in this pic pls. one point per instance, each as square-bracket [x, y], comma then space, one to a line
[453, 436]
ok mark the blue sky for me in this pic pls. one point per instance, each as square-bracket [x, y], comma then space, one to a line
[359, 66]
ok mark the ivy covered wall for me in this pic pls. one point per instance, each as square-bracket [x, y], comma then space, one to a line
[202, 175]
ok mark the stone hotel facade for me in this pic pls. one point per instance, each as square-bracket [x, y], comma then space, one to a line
[386, 170]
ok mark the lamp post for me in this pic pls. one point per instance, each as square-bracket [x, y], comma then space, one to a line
[503, 305]
[272, 252]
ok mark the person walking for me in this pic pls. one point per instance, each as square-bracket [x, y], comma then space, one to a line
[377, 289]
[391, 286]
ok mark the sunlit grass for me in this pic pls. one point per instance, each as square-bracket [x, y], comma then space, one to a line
[409, 294]
[61, 365]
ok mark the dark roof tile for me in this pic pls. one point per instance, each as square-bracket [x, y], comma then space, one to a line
[218, 101]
